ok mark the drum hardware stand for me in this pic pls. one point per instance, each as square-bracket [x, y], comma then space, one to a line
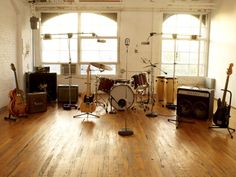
[152, 114]
[69, 105]
[172, 105]
[230, 130]
[99, 103]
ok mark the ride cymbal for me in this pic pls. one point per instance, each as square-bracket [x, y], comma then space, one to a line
[101, 66]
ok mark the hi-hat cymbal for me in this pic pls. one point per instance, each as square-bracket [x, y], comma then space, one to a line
[101, 66]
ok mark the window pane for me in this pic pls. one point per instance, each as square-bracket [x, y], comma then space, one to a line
[57, 50]
[99, 24]
[93, 51]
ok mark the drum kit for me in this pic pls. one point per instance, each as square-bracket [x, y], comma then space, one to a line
[120, 92]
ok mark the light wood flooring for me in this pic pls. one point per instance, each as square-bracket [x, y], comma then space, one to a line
[54, 144]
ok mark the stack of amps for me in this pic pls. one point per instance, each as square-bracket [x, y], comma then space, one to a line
[195, 102]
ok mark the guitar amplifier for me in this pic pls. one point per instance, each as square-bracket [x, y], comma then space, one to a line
[195, 103]
[63, 93]
[37, 102]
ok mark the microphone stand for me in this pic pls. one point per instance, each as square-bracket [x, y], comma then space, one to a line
[69, 105]
[125, 131]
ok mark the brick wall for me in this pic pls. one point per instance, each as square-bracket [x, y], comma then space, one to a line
[8, 52]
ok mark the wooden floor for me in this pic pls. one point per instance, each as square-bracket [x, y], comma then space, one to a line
[55, 144]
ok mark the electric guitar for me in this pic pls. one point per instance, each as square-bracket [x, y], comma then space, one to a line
[17, 106]
[222, 114]
[88, 104]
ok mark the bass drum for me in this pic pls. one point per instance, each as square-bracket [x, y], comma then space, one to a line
[121, 97]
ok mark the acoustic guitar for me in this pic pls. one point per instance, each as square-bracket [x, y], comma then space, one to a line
[17, 106]
[88, 104]
[222, 114]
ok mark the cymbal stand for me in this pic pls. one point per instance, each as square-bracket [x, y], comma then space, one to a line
[152, 114]
[99, 103]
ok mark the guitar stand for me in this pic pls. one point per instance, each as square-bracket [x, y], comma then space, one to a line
[86, 113]
[13, 118]
[178, 120]
[230, 130]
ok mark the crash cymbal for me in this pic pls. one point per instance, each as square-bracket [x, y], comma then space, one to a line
[101, 66]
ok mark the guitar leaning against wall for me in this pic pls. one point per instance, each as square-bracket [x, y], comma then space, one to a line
[17, 106]
[222, 114]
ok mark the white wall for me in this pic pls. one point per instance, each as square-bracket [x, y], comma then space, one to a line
[223, 46]
[12, 45]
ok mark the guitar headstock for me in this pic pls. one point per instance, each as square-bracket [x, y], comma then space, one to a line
[229, 70]
[13, 67]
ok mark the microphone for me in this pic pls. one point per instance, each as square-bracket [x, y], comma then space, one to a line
[145, 43]
[152, 33]
[101, 40]
[127, 41]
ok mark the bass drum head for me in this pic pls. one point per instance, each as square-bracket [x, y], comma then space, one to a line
[121, 97]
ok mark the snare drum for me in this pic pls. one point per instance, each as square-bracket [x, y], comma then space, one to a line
[171, 90]
[161, 88]
[121, 97]
[139, 80]
[105, 84]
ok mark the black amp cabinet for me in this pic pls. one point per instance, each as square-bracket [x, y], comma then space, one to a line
[42, 82]
[63, 93]
[195, 103]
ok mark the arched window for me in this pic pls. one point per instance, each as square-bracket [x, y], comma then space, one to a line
[83, 47]
[184, 46]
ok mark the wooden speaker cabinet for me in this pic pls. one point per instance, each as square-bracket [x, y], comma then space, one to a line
[63, 93]
[37, 102]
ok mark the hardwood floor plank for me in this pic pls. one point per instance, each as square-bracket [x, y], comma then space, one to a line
[55, 144]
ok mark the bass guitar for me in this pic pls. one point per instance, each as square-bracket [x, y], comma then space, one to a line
[222, 114]
[17, 106]
[88, 104]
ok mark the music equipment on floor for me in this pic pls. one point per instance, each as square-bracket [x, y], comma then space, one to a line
[101, 66]
[121, 97]
[42, 82]
[161, 88]
[105, 84]
[88, 104]
[171, 90]
[139, 80]
[17, 106]
[37, 102]
[63, 93]
[222, 114]
[195, 103]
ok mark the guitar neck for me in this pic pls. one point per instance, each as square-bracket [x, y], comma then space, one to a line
[16, 81]
[225, 90]
[88, 82]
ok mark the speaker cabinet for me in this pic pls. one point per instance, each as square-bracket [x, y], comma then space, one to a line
[63, 93]
[195, 103]
[42, 82]
[37, 102]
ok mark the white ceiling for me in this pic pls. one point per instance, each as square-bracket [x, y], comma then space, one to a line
[180, 5]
